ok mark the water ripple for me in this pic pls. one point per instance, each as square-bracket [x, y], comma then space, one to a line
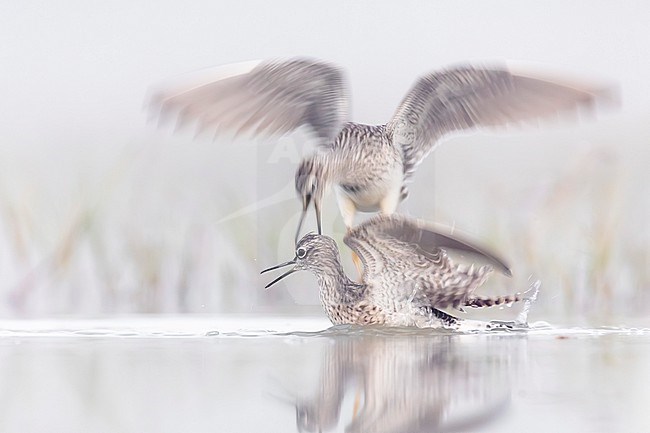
[190, 327]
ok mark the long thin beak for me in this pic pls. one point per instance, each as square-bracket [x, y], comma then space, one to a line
[281, 265]
[305, 206]
[318, 223]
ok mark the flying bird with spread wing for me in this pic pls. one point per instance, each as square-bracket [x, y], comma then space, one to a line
[369, 165]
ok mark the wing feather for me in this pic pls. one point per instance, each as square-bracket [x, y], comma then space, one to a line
[410, 258]
[414, 237]
[467, 97]
[269, 97]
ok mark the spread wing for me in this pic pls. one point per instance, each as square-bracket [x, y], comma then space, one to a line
[466, 97]
[410, 259]
[261, 97]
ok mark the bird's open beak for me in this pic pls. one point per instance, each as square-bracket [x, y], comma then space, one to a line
[281, 265]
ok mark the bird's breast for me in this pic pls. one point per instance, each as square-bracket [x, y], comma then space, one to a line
[366, 197]
[367, 192]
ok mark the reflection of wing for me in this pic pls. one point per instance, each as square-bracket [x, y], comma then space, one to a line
[268, 97]
[409, 259]
[466, 97]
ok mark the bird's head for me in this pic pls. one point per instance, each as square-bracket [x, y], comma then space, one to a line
[313, 252]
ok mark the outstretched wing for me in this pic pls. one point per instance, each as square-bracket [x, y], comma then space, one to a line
[410, 258]
[467, 97]
[261, 97]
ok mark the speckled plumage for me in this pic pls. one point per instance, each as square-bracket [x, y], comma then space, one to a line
[408, 276]
[368, 165]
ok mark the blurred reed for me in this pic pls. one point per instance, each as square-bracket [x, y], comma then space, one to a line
[144, 236]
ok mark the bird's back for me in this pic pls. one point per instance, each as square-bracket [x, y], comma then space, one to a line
[404, 273]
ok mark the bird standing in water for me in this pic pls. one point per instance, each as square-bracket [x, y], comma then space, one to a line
[408, 276]
[369, 165]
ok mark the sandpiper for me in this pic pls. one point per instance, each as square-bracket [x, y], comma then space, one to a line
[369, 165]
[408, 276]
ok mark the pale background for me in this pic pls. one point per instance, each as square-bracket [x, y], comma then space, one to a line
[102, 212]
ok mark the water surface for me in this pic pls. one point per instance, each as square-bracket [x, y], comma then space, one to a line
[288, 374]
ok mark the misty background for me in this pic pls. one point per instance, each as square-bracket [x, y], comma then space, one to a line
[102, 211]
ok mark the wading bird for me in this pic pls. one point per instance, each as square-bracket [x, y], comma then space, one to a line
[408, 276]
[369, 165]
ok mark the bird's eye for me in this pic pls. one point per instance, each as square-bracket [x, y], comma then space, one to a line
[301, 252]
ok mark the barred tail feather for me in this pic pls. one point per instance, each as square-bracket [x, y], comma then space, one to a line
[480, 302]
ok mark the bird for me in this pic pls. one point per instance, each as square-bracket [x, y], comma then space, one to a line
[369, 166]
[408, 276]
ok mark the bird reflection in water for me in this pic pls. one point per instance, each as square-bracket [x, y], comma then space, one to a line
[416, 383]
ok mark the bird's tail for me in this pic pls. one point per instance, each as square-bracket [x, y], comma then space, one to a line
[481, 302]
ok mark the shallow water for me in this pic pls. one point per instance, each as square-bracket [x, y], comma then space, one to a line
[292, 374]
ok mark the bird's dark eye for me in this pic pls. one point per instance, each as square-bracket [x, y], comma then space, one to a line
[301, 252]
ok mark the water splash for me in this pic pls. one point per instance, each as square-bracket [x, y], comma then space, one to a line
[468, 326]
[522, 318]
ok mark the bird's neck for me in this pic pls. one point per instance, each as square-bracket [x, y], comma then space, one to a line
[336, 289]
[332, 281]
